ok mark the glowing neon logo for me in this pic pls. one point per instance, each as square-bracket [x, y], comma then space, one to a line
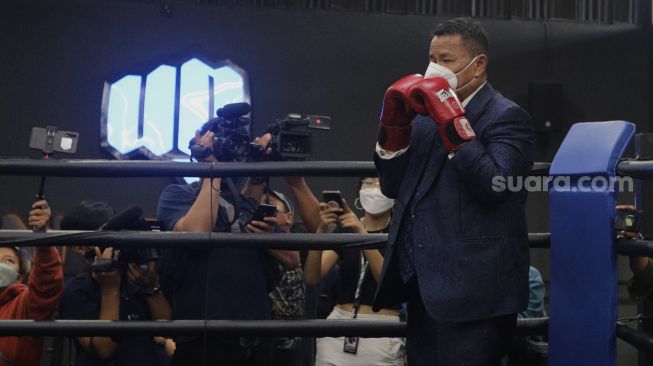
[158, 113]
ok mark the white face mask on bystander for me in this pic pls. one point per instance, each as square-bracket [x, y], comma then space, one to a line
[374, 202]
[8, 275]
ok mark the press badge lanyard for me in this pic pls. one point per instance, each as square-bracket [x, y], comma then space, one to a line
[357, 294]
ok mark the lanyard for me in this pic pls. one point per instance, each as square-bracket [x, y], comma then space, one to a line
[357, 294]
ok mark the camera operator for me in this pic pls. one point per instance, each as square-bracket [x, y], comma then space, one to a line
[38, 299]
[121, 291]
[216, 283]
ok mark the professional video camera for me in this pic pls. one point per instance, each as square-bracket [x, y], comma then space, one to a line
[232, 138]
[130, 219]
[291, 139]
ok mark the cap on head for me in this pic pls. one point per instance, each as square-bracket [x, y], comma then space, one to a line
[281, 197]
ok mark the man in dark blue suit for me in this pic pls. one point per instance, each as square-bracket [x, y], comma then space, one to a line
[458, 248]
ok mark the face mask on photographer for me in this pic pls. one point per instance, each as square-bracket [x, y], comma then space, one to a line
[8, 275]
[435, 70]
[374, 202]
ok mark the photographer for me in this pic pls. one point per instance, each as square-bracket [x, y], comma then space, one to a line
[118, 291]
[216, 283]
[88, 215]
[38, 299]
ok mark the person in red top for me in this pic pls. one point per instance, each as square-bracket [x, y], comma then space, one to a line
[37, 300]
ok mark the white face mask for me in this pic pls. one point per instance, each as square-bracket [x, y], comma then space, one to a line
[438, 71]
[374, 202]
[8, 275]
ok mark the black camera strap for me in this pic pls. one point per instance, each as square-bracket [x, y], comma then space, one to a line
[236, 200]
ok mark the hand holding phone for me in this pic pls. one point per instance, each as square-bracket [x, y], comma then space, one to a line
[51, 139]
[628, 219]
[332, 198]
[264, 210]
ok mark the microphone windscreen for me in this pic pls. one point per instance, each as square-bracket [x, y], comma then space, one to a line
[234, 110]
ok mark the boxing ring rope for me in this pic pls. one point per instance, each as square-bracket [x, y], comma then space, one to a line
[638, 339]
[568, 331]
[640, 169]
[259, 328]
[636, 247]
[140, 168]
[271, 328]
[170, 239]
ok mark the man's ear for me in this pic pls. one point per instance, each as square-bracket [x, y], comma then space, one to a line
[290, 218]
[481, 65]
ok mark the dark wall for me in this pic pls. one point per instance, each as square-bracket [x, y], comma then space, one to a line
[54, 58]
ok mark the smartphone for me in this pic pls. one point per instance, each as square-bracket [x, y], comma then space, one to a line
[332, 198]
[50, 139]
[264, 210]
[628, 220]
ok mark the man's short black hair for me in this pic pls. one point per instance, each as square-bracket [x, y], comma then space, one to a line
[88, 215]
[472, 33]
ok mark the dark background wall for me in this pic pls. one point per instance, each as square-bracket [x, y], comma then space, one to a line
[55, 57]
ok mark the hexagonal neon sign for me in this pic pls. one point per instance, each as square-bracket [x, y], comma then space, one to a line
[156, 114]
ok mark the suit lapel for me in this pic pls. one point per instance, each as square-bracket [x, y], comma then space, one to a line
[477, 104]
[435, 160]
[438, 153]
[418, 161]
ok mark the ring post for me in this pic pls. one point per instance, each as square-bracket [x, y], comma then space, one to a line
[582, 199]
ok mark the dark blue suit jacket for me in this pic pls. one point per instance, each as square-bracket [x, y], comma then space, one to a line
[470, 242]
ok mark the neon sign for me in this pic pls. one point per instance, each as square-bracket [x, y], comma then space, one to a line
[156, 114]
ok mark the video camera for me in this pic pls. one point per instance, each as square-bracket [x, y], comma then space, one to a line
[290, 138]
[232, 139]
[130, 219]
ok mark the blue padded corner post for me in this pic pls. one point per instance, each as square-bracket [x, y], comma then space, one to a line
[582, 199]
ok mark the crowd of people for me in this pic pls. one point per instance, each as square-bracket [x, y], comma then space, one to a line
[455, 266]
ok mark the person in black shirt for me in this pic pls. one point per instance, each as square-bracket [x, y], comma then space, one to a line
[359, 272]
[127, 292]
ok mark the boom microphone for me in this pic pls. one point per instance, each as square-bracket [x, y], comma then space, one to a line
[234, 110]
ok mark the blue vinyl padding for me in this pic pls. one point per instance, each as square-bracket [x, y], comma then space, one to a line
[583, 257]
[592, 148]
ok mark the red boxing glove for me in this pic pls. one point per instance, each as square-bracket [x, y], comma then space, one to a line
[435, 97]
[396, 115]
